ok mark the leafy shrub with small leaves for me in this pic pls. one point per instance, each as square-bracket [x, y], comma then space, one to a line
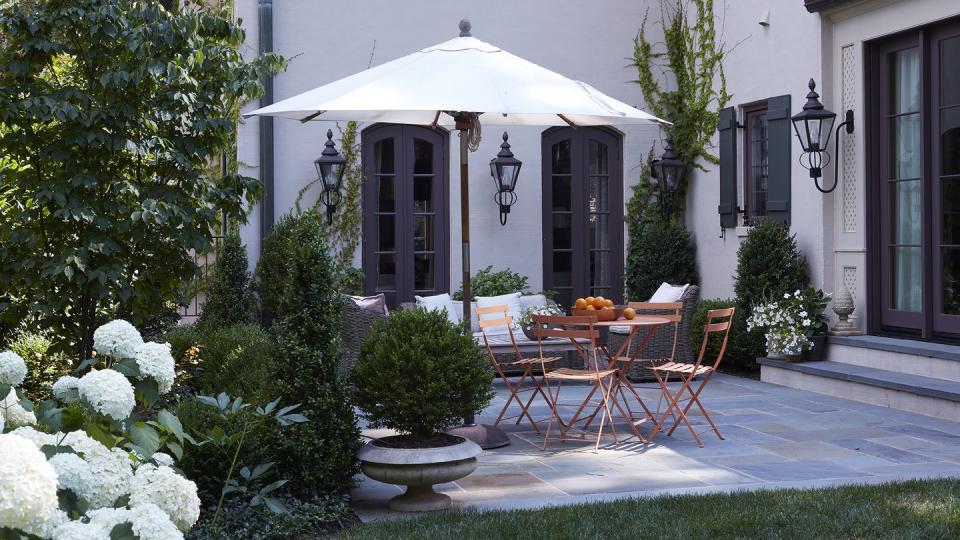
[310, 518]
[44, 364]
[239, 359]
[490, 283]
[229, 298]
[320, 456]
[769, 264]
[418, 373]
[662, 251]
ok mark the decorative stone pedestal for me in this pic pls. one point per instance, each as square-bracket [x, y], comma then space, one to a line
[843, 306]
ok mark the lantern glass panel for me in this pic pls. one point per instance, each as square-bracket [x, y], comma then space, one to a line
[330, 174]
[508, 176]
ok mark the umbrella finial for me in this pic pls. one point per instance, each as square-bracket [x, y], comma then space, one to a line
[465, 28]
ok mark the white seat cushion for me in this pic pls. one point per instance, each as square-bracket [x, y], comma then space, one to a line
[442, 302]
[532, 300]
[511, 300]
[668, 293]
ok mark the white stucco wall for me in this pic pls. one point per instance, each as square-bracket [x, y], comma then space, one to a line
[590, 41]
[763, 62]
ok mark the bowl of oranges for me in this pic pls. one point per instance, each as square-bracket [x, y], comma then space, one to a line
[596, 306]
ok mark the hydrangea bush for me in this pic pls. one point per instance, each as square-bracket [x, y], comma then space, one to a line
[790, 321]
[83, 466]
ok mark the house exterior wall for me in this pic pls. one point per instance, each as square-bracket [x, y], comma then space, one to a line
[590, 41]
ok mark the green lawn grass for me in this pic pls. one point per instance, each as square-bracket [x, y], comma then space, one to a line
[916, 509]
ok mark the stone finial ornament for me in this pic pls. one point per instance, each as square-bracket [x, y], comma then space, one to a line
[843, 306]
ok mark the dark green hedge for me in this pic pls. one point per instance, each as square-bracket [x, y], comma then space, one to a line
[663, 251]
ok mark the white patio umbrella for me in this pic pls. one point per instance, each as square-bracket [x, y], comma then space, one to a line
[462, 83]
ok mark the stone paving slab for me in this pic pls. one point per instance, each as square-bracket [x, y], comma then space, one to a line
[774, 437]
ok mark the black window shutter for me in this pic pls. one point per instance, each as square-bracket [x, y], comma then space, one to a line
[728, 167]
[780, 158]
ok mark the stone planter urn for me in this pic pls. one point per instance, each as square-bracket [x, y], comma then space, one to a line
[419, 469]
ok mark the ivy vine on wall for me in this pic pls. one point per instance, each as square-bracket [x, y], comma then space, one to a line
[343, 235]
[682, 81]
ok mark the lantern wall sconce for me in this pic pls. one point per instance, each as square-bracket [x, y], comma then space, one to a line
[813, 126]
[668, 171]
[505, 169]
[330, 166]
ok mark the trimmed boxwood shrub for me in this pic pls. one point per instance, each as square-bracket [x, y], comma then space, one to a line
[769, 264]
[305, 519]
[419, 373]
[229, 298]
[319, 456]
[662, 251]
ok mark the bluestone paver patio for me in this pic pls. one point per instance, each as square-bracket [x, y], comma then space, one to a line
[774, 437]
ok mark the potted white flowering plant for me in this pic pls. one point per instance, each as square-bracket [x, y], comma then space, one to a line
[792, 323]
[526, 318]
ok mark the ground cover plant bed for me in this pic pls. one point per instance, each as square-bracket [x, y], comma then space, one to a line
[915, 509]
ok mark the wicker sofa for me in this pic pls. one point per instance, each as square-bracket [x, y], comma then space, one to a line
[357, 323]
[660, 346]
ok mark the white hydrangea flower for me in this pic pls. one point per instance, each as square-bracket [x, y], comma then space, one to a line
[78, 530]
[12, 368]
[163, 459]
[28, 484]
[63, 386]
[37, 437]
[150, 522]
[173, 493]
[111, 470]
[117, 339]
[156, 361]
[108, 392]
[14, 414]
[45, 528]
[73, 473]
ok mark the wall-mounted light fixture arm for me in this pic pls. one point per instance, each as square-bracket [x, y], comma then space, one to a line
[849, 124]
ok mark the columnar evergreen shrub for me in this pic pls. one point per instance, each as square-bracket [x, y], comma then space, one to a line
[769, 264]
[273, 269]
[319, 455]
[419, 373]
[229, 298]
[662, 251]
[713, 346]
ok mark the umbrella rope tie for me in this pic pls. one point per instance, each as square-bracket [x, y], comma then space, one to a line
[474, 133]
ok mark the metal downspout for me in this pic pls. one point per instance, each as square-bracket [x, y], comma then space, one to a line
[266, 124]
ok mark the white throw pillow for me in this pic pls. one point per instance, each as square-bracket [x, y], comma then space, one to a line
[512, 301]
[532, 300]
[668, 293]
[474, 323]
[442, 302]
[376, 303]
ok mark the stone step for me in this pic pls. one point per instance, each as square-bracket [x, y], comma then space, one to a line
[926, 359]
[904, 391]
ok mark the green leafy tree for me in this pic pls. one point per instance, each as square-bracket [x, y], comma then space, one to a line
[489, 283]
[679, 80]
[320, 456]
[769, 264]
[112, 111]
[229, 297]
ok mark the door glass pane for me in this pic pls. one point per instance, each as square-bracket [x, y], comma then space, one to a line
[386, 272]
[598, 158]
[422, 157]
[563, 268]
[560, 153]
[905, 81]
[905, 156]
[950, 71]
[564, 297]
[386, 233]
[423, 271]
[758, 166]
[599, 194]
[906, 278]
[423, 194]
[600, 231]
[422, 233]
[599, 269]
[562, 231]
[950, 140]
[385, 195]
[383, 157]
[951, 280]
[562, 193]
[905, 226]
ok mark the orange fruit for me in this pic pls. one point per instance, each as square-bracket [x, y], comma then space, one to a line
[590, 307]
[580, 303]
[629, 313]
[599, 302]
[589, 300]
[608, 303]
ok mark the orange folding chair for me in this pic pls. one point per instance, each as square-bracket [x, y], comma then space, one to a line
[527, 364]
[602, 379]
[718, 320]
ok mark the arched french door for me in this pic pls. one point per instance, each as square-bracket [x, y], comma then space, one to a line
[582, 213]
[406, 241]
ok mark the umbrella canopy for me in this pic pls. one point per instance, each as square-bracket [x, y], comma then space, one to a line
[462, 74]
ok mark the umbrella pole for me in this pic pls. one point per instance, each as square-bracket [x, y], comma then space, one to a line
[485, 435]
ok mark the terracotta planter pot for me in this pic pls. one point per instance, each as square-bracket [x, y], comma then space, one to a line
[419, 469]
